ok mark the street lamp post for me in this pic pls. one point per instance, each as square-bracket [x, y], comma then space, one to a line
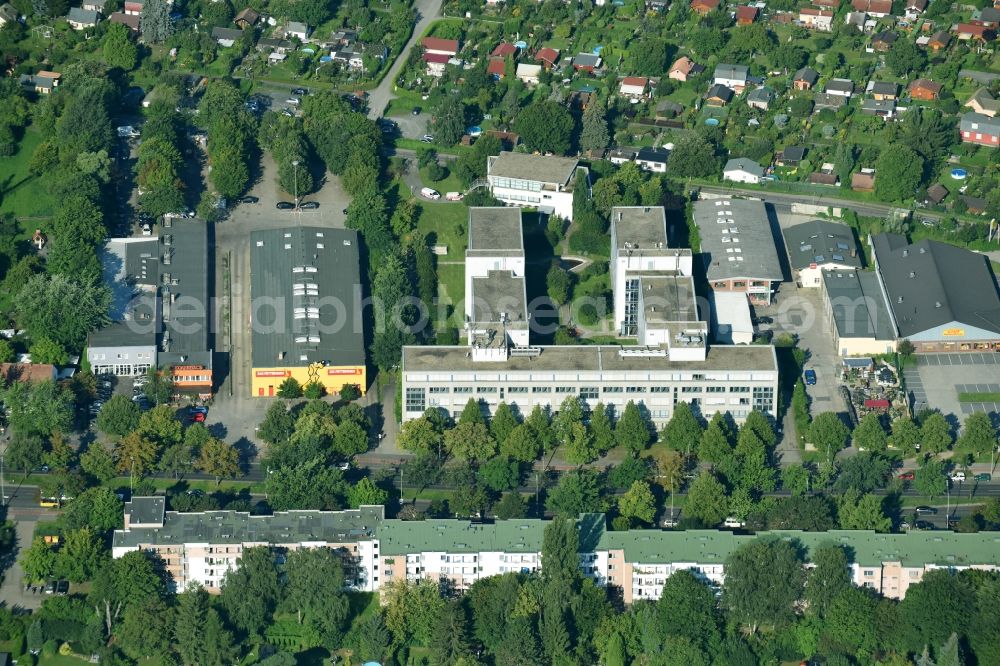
[131, 477]
[295, 178]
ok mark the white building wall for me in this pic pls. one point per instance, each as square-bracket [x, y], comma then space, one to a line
[560, 202]
[741, 176]
[813, 277]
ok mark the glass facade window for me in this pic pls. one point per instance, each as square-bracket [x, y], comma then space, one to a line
[415, 400]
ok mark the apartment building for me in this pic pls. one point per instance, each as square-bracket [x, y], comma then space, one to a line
[545, 182]
[655, 295]
[200, 547]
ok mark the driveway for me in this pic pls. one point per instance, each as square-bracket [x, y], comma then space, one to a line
[12, 592]
[378, 99]
[235, 414]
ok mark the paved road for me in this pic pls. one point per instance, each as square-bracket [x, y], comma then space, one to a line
[862, 208]
[378, 99]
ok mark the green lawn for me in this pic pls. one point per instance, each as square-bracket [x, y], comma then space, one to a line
[23, 194]
[451, 289]
[449, 183]
[445, 224]
[979, 397]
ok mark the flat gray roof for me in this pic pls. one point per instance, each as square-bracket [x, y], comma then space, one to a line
[821, 242]
[130, 333]
[592, 358]
[859, 307]
[540, 168]
[499, 293]
[641, 228]
[297, 269]
[668, 298]
[930, 284]
[736, 240]
[495, 230]
[233, 527]
[184, 281]
[146, 510]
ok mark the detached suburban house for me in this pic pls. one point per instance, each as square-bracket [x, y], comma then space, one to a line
[226, 37]
[980, 130]
[823, 101]
[971, 31]
[746, 15]
[760, 98]
[43, 83]
[925, 90]
[875, 8]
[702, 7]
[634, 87]
[547, 56]
[247, 18]
[652, 159]
[743, 170]
[731, 76]
[437, 53]
[587, 62]
[840, 87]
[81, 19]
[299, 31]
[130, 21]
[982, 102]
[684, 68]
[790, 156]
[805, 78]
[883, 90]
[133, 8]
[816, 19]
[718, 95]
[528, 73]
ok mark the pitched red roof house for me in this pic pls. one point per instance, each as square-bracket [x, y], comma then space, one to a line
[547, 56]
[746, 15]
[873, 7]
[880, 403]
[924, 89]
[496, 67]
[971, 30]
[704, 6]
[438, 45]
[504, 49]
[438, 58]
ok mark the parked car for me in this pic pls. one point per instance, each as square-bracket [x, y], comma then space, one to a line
[416, 111]
[929, 510]
[309, 205]
[248, 200]
[923, 525]
[430, 193]
[810, 377]
[62, 587]
[198, 409]
[906, 476]
[198, 417]
[284, 205]
[958, 477]
[427, 138]
[50, 587]
[294, 101]
[300, 91]
[984, 476]
[764, 320]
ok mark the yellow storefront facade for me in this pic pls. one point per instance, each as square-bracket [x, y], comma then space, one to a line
[265, 382]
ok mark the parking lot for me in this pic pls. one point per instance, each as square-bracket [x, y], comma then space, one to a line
[937, 379]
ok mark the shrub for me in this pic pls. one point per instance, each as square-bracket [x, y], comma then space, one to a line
[314, 390]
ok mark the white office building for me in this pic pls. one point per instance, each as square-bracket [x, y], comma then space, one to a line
[639, 247]
[544, 182]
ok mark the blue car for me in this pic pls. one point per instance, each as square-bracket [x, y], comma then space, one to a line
[810, 376]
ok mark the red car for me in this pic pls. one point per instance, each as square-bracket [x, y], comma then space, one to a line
[198, 417]
[906, 476]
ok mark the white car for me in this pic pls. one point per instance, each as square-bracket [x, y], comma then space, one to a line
[294, 101]
[430, 194]
[958, 477]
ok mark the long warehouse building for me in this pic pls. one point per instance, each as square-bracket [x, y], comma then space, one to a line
[305, 319]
